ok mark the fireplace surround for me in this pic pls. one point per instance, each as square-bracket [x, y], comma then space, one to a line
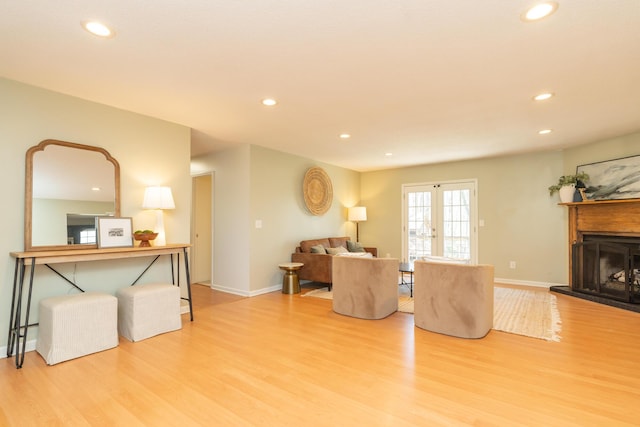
[604, 252]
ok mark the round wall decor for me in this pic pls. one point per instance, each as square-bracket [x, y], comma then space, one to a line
[318, 191]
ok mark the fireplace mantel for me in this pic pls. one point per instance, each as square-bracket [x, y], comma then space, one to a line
[612, 217]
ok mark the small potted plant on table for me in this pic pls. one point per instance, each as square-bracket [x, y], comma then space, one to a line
[144, 237]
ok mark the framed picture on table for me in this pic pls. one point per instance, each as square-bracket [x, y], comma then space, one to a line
[114, 232]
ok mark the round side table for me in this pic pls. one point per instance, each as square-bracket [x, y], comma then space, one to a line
[290, 281]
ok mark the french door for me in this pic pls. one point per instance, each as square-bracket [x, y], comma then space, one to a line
[439, 219]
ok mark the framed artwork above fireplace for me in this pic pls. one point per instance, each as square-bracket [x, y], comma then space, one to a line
[613, 179]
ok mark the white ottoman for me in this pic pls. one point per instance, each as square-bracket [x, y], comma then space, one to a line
[148, 310]
[76, 325]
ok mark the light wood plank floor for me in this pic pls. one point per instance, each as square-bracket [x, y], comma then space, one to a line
[284, 360]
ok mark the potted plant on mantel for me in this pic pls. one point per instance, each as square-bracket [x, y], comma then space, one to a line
[566, 186]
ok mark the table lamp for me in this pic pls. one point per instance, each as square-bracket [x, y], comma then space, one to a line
[158, 198]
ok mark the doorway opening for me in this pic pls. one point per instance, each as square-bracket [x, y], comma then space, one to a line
[202, 229]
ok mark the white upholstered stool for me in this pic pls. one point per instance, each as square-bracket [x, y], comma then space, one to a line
[148, 310]
[71, 326]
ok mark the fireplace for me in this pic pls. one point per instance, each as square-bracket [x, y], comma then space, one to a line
[604, 252]
[607, 266]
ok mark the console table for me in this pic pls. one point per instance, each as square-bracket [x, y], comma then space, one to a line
[18, 326]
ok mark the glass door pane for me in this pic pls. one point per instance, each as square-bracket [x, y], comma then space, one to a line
[456, 233]
[420, 220]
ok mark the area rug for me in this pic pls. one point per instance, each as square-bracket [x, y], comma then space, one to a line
[405, 302]
[517, 311]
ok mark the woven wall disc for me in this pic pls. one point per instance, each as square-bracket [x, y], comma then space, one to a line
[318, 191]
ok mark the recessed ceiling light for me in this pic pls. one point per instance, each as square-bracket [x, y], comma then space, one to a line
[543, 96]
[345, 136]
[539, 11]
[388, 154]
[98, 29]
[544, 131]
[269, 102]
[95, 189]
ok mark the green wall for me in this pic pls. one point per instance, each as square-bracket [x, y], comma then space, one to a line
[614, 148]
[258, 184]
[231, 203]
[522, 223]
[150, 151]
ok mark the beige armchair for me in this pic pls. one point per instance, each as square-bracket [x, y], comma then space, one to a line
[453, 299]
[366, 288]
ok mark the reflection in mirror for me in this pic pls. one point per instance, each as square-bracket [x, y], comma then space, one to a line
[68, 186]
[82, 228]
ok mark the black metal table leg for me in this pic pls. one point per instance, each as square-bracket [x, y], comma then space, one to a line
[19, 331]
[411, 284]
[14, 306]
[20, 356]
[10, 336]
[407, 284]
[173, 274]
[186, 269]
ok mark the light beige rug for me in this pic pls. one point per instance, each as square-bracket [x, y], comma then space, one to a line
[524, 312]
[323, 293]
[405, 302]
[517, 311]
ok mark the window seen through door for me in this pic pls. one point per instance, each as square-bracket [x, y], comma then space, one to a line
[88, 235]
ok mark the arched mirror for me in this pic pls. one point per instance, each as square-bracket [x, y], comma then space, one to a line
[68, 186]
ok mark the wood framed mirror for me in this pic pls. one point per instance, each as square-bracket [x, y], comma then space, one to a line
[67, 186]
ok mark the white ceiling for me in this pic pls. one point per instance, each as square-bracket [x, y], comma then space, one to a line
[428, 81]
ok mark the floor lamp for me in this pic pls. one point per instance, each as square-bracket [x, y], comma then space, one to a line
[357, 214]
[158, 198]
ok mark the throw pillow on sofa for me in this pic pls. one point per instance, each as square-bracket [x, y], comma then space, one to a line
[336, 251]
[318, 249]
[354, 246]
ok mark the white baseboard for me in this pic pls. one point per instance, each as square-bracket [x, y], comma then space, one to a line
[228, 290]
[527, 283]
[235, 291]
[278, 287]
[184, 306]
[31, 346]
[263, 291]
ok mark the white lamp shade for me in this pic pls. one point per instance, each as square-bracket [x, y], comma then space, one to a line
[358, 213]
[158, 198]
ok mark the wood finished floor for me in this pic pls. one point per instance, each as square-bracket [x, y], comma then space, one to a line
[284, 360]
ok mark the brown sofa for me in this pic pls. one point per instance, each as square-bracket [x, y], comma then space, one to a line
[317, 266]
